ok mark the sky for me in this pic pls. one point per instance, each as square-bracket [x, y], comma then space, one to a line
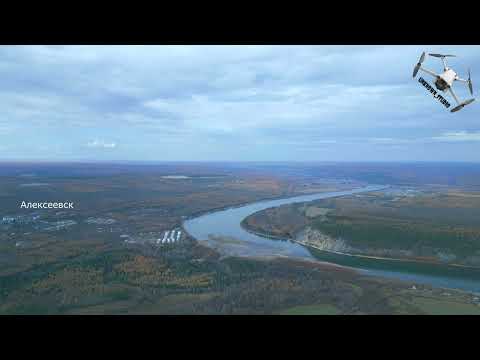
[232, 103]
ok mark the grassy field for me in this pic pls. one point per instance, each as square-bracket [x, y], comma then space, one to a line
[432, 306]
[321, 309]
[436, 307]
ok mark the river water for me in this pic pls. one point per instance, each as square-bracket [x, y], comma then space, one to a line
[222, 231]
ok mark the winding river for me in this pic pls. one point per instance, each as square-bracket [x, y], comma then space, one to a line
[222, 231]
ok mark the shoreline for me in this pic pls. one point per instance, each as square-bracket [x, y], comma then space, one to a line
[236, 206]
[372, 257]
[228, 207]
[344, 264]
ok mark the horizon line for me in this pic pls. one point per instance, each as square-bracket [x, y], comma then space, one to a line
[76, 161]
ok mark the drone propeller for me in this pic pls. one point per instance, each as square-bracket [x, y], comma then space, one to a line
[462, 105]
[422, 58]
[441, 55]
[470, 86]
[420, 61]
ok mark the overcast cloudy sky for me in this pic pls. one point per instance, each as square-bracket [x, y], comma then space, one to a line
[260, 103]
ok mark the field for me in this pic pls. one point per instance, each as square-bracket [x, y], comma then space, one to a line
[429, 306]
[321, 309]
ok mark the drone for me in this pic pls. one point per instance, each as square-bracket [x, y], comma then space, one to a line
[445, 80]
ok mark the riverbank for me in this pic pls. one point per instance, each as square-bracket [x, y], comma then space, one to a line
[246, 203]
[227, 223]
[310, 245]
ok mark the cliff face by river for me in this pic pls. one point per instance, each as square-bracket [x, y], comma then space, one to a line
[292, 222]
[315, 238]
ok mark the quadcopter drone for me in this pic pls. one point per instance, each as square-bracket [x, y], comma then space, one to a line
[445, 80]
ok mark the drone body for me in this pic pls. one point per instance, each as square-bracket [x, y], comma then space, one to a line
[446, 79]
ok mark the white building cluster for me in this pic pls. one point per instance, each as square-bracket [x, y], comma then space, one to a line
[170, 237]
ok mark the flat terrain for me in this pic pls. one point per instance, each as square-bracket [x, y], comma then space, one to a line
[321, 309]
[107, 256]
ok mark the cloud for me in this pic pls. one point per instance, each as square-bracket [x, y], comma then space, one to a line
[101, 144]
[459, 136]
[213, 102]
